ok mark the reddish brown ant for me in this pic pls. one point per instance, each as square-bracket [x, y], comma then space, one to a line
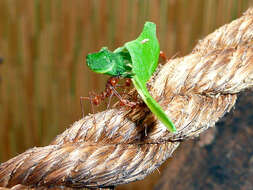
[162, 57]
[110, 90]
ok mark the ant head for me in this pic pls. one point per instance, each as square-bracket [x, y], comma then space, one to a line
[113, 81]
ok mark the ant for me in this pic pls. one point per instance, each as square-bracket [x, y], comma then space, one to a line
[162, 57]
[109, 91]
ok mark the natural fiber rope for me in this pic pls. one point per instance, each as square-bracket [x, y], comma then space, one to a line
[120, 146]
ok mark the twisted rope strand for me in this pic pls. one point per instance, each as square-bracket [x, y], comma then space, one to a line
[120, 146]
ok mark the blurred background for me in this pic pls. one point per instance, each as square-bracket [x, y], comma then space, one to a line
[43, 46]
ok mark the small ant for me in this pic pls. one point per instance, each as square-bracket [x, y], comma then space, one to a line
[109, 91]
[162, 57]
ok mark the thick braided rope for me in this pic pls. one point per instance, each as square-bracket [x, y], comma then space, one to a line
[120, 146]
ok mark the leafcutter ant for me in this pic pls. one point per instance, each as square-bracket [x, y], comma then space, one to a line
[109, 92]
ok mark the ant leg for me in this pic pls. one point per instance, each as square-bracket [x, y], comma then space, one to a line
[86, 98]
[92, 107]
[81, 103]
[125, 102]
[176, 54]
[116, 93]
[109, 101]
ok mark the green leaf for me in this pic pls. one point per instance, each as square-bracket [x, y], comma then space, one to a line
[144, 52]
[153, 105]
[138, 60]
[107, 62]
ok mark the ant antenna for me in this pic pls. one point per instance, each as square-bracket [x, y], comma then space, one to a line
[92, 107]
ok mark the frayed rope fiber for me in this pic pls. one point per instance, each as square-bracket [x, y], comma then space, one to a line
[119, 145]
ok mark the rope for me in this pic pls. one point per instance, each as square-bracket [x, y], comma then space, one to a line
[120, 145]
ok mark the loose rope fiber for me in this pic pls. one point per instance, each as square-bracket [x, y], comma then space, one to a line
[119, 145]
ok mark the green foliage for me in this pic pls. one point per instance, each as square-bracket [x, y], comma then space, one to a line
[107, 62]
[144, 52]
[138, 60]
